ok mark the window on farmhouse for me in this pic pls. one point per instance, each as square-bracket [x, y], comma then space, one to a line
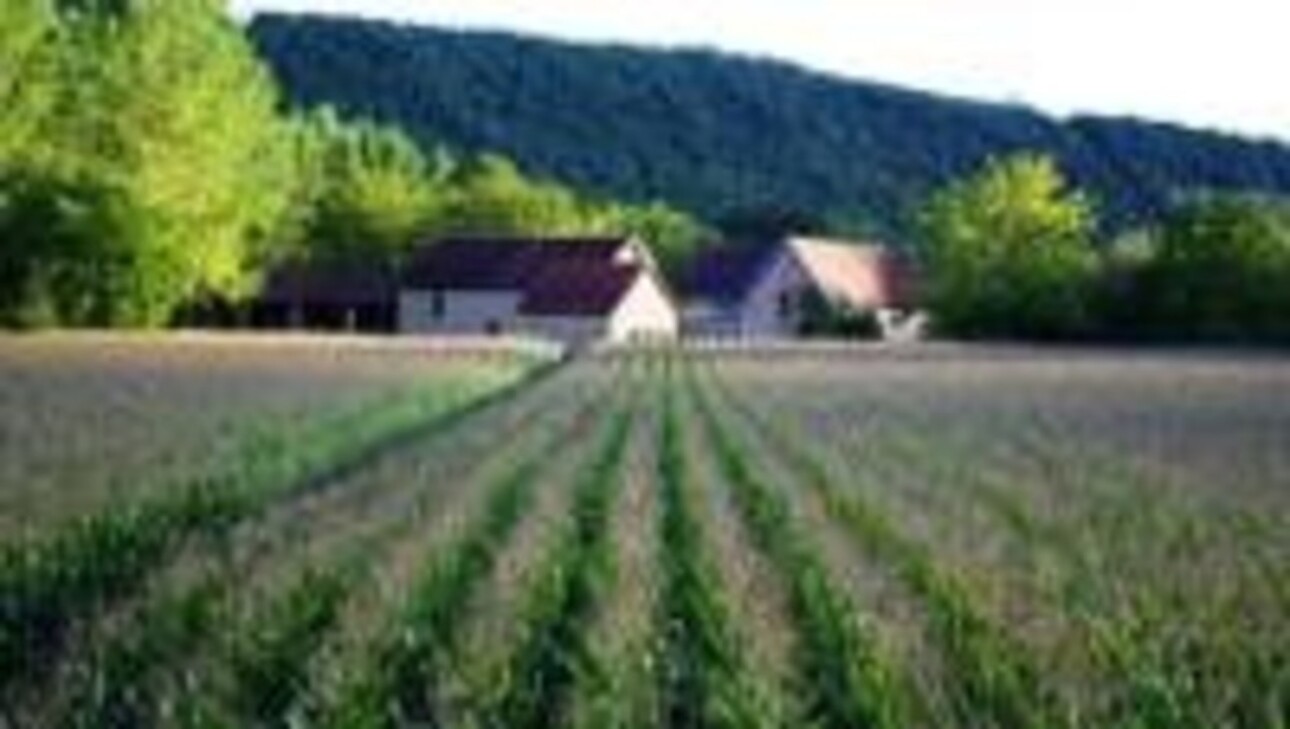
[785, 304]
[436, 304]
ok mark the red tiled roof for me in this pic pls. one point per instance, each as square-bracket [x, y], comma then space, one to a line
[555, 276]
[578, 288]
[862, 275]
[493, 263]
[329, 283]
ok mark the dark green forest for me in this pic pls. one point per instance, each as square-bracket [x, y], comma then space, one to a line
[721, 136]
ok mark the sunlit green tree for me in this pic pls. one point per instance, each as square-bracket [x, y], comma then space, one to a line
[365, 191]
[1009, 252]
[167, 136]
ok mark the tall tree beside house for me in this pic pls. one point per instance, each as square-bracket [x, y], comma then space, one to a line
[1010, 253]
[163, 176]
[365, 191]
[490, 195]
[25, 73]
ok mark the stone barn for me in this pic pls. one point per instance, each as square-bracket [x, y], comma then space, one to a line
[764, 290]
[572, 289]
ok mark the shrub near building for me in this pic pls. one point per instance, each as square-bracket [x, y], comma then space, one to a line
[1219, 270]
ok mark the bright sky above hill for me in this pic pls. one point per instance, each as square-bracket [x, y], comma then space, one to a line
[1200, 62]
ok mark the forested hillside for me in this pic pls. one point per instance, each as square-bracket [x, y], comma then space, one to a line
[720, 135]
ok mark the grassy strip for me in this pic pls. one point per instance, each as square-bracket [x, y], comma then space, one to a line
[703, 676]
[848, 683]
[554, 652]
[401, 682]
[46, 583]
[997, 680]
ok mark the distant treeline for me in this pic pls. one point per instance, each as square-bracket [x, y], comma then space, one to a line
[719, 135]
[1015, 253]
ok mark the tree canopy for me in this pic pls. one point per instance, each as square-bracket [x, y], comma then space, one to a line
[1219, 271]
[151, 151]
[1009, 250]
[364, 191]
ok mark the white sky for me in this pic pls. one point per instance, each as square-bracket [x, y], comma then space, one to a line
[1204, 63]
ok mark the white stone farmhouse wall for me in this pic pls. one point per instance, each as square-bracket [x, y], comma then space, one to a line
[463, 312]
[761, 312]
[645, 312]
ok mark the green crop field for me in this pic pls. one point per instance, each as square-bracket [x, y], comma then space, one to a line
[264, 533]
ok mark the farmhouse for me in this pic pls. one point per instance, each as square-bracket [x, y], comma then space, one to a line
[768, 289]
[573, 289]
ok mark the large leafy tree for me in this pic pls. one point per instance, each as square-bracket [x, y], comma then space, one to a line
[1009, 252]
[491, 195]
[26, 27]
[366, 191]
[164, 171]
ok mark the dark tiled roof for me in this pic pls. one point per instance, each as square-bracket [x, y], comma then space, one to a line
[494, 263]
[862, 274]
[724, 273]
[330, 283]
[904, 280]
[578, 288]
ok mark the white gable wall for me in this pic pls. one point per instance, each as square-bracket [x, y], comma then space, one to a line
[761, 314]
[645, 312]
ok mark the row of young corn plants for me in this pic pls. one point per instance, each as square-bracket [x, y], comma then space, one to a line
[267, 660]
[846, 679]
[1167, 655]
[617, 689]
[401, 680]
[47, 583]
[703, 672]
[553, 649]
[1160, 659]
[1073, 582]
[108, 689]
[257, 659]
[996, 682]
